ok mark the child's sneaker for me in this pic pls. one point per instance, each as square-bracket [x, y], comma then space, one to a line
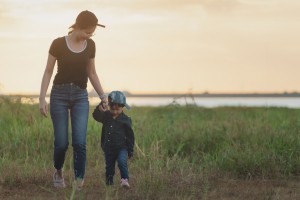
[78, 184]
[124, 183]
[109, 180]
[58, 182]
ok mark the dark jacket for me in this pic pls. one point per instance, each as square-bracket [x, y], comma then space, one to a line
[116, 133]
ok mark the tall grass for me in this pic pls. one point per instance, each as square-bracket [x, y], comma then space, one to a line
[178, 149]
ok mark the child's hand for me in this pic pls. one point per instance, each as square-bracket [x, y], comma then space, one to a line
[103, 106]
[130, 155]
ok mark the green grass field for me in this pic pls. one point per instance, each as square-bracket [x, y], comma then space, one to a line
[181, 152]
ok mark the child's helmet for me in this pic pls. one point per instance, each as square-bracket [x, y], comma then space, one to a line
[118, 97]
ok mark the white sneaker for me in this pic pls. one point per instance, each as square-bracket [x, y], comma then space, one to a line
[58, 182]
[124, 183]
[78, 184]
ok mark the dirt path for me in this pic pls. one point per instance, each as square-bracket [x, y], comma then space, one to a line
[255, 190]
[219, 189]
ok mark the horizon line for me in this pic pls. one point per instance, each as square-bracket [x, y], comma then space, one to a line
[173, 94]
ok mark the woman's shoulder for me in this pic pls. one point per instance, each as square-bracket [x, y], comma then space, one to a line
[56, 46]
[58, 41]
[91, 41]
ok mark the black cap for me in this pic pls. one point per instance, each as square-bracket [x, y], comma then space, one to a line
[86, 19]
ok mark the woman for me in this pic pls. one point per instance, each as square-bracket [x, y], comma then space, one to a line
[75, 56]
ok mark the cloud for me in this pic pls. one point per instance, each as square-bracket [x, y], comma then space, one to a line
[1, 86]
[6, 20]
[145, 5]
[220, 5]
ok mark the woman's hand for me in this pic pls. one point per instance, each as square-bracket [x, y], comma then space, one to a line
[103, 105]
[43, 107]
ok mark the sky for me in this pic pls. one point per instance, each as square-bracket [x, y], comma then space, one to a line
[160, 46]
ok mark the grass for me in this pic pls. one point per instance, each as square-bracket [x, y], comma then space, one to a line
[181, 152]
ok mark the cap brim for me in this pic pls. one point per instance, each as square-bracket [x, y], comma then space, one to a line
[127, 106]
[101, 25]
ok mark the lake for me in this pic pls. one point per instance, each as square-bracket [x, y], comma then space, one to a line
[290, 102]
[216, 101]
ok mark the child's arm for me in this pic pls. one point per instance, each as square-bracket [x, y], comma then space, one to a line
[98, 113]
[130, 139]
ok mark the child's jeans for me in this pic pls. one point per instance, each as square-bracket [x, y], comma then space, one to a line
[65, 100]
[110, 161]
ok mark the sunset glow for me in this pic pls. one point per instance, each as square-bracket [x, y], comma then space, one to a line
[160, 46]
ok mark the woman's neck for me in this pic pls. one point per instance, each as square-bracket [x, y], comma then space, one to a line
[73, 37]
[75, 44]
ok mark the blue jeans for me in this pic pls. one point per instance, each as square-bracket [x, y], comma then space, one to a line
[69, 100]
[110, 160]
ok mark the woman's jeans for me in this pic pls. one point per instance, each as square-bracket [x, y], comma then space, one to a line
[69, 100]
[110, 161]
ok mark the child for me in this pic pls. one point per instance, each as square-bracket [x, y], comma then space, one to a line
[117, 137]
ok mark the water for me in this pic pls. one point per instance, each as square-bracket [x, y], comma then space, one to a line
[291, 102]
[210, 102]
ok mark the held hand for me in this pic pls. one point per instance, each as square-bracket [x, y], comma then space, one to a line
[103, 105]
[130, 155]
[43, 108]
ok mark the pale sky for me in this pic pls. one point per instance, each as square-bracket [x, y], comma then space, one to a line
[160, 46]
